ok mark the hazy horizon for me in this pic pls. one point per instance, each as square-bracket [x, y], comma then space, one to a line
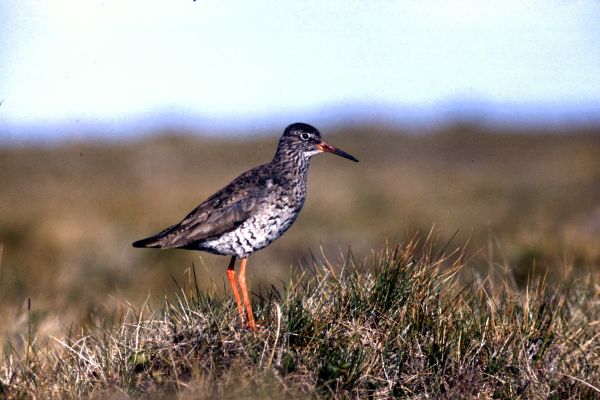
[410, 120]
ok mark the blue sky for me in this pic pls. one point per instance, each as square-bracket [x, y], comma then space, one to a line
[120, 65]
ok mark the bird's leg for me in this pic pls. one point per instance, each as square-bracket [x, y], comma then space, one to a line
[242, 281]
[236, 293]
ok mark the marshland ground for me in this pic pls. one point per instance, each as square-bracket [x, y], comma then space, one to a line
[523, 205]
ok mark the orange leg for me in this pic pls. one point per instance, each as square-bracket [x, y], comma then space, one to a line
[236, 293]
[242, 281]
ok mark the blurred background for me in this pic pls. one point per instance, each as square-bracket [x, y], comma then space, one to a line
[116, 119]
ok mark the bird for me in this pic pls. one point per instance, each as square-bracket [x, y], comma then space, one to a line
[252, 211]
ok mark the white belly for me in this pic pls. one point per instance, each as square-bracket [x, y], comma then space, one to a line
[254, 234]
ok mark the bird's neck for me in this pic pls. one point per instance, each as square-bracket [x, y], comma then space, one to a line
[293, 164]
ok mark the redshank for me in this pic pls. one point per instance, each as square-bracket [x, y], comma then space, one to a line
[252, 211]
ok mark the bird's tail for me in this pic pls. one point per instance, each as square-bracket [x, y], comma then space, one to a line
[152, 241]
[155, 241]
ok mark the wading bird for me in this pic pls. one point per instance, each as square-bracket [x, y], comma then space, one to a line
[252, 211]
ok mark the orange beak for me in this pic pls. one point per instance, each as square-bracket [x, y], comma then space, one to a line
[330, 149]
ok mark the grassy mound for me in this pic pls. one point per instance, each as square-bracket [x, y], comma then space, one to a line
[407, 322]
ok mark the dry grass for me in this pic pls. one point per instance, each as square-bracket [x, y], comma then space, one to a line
[403, 323]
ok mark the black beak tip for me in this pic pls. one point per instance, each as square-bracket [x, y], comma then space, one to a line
[348, 156]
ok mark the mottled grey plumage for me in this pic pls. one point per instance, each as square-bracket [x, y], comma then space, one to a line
[255, 208]
[252, 211]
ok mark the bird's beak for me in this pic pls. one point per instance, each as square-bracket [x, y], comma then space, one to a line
[330, 149]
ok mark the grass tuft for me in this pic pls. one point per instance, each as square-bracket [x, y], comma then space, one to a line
[406, 322]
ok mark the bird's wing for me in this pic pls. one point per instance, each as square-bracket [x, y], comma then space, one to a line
[221, 213]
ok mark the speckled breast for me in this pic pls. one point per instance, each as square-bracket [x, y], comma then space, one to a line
[258, 231]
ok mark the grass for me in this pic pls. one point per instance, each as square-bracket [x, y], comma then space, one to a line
[412, 320]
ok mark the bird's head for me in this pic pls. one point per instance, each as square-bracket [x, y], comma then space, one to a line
[307, 139]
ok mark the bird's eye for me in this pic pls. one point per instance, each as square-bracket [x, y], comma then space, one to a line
[304, 136]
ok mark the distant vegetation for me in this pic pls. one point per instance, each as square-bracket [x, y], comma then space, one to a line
[525, 206]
